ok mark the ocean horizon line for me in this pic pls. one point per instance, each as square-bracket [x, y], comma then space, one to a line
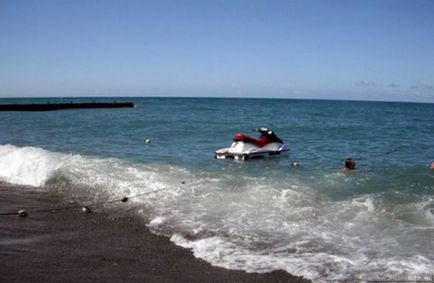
[214, 97]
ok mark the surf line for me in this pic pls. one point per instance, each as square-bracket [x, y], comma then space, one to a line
[86, 208]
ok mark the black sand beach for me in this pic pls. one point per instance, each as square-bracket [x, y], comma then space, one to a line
[72, 246]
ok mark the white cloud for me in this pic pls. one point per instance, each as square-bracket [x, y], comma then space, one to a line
[365, 84]
[422, 87]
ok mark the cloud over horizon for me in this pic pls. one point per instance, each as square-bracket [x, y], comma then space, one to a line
[363, 83]
[422, 87]
[393, 85]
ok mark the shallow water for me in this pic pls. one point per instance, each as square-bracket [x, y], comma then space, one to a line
[312, 220]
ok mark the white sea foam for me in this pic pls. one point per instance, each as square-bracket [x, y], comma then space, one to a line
[242, 222]
[27, 165]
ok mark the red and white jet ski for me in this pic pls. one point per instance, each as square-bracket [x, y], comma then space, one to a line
[245, 147]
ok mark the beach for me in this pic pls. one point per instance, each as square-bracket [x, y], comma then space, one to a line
[103, 246]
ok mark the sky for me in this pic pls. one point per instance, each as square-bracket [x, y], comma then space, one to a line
[326, 49]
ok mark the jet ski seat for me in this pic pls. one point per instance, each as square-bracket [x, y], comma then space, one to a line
[259, 142]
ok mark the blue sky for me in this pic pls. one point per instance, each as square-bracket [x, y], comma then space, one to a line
[369, 49]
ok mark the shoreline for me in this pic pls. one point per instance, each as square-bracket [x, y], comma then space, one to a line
[103, 246]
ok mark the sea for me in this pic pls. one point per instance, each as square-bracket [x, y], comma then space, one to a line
[313, 220]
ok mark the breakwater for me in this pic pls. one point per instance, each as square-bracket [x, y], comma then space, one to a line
[64, 106]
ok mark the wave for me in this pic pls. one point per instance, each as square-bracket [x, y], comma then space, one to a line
[257, 224]
[28, 165]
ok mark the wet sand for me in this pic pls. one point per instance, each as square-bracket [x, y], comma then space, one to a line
[103, 246]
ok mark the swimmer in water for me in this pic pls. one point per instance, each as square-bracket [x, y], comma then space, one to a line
[350, 165]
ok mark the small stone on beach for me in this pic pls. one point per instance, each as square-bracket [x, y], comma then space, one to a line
[22, 213]
[86, 209]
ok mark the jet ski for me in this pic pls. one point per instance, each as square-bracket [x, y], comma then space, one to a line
[245, 147]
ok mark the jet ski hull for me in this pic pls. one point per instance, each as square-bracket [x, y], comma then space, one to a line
[244, 151]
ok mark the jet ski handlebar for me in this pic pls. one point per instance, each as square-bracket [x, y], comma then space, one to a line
[263, 130]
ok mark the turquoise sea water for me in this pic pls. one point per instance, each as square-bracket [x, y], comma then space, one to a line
[261, 215]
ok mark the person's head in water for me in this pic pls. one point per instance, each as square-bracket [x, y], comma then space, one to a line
[432, 165]
[350, 164]
[295, 163]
